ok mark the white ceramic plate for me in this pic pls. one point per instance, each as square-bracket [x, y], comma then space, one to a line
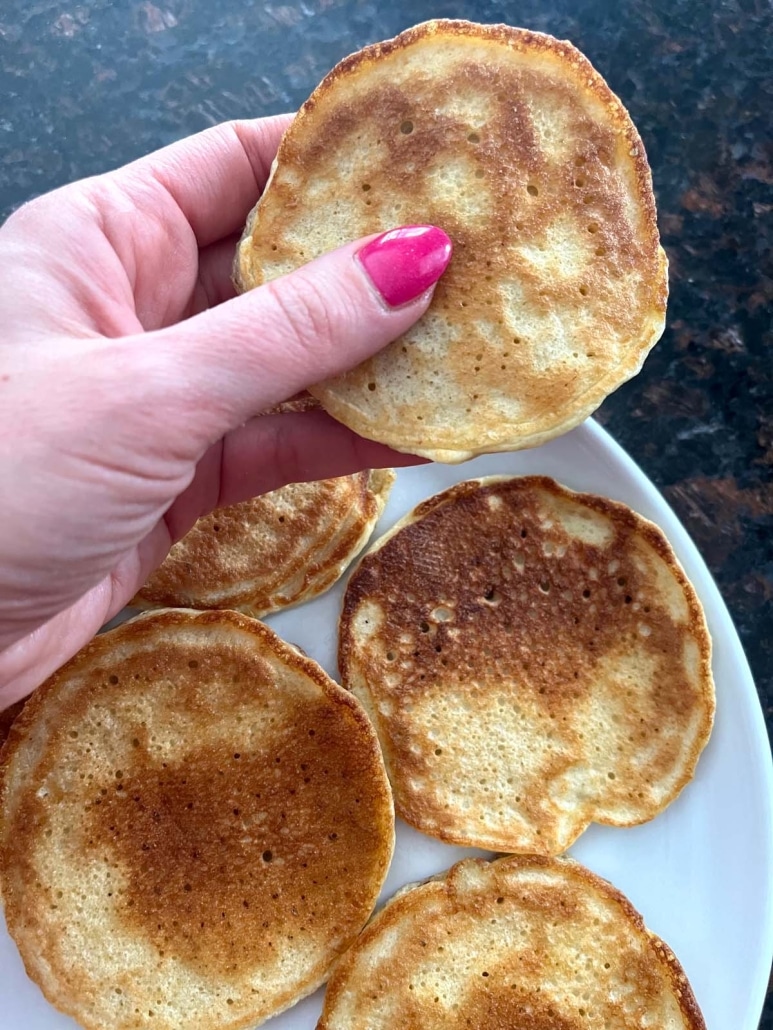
[700, 873]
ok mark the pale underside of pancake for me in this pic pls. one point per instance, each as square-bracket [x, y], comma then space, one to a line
[273, 551]
[511, 142]
[195, 822]
[533, 660]
[538, 944]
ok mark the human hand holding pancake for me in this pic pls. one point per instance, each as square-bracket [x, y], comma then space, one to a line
[131, 377]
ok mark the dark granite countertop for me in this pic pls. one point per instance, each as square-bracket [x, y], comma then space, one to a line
[87, 86]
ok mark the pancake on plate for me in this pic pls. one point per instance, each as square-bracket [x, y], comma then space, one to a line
[195, 822]
[533, 660]
[522, 942]
[275, 550]
[512, 143]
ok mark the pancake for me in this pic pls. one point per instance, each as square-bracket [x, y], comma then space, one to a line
[512, 143]
[195, 822]
[532, 943]
[273, 551]
[533, 660]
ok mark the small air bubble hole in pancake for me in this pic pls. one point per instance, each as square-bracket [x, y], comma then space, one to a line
[268, 856]
[580, 181]
[216, 528]
[371, 387]
[390, 656]
[438, 750]
[545, 586]
[193, 664]
[586, 594]
[113, 680]
[406, 127]
[532, 190]
[584, 291]
[492, 596]
[473, 138]
[628, 599]
[593, 227]
[365, 187]
[424, 627]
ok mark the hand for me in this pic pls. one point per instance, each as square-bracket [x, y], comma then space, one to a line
[130, 376]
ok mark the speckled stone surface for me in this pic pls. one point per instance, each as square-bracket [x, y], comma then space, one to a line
[88, 86]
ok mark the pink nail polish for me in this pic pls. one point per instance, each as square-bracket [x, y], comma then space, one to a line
[403, 263]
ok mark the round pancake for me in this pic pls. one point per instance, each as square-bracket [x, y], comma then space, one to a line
[532, 943]
[195, 822]
[512, 143]
[533, 660]
[273, 551]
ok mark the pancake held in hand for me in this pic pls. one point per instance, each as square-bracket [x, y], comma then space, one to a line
[515, 146]
[273, 551]
[195, 822]
[531, 943]
[533, 660]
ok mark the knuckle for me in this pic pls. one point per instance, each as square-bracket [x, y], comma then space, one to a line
[302, 310]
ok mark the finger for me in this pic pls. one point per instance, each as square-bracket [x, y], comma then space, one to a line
[214, 283]
[271, 451]
[216, 176]
[28, 662]
[244, 356]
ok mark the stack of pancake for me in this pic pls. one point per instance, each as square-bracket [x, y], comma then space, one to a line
[195, 820]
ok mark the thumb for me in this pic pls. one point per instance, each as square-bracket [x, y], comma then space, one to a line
[252, 352]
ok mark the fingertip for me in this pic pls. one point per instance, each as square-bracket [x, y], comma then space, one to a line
[404, 264]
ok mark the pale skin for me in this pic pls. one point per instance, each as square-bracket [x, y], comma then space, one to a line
[131, 378]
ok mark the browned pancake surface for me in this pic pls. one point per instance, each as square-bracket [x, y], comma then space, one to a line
[523, 942]
[533, 660]
[511, 142]
[195, 823]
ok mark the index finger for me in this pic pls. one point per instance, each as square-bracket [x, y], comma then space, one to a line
[215, 177]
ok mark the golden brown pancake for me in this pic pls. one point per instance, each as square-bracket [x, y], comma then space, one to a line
[273, 551]
[195, 822]
[522, 942]
[533, 660]
[511, 142]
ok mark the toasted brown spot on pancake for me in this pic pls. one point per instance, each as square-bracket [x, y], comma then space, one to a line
[521, 942]
[550, 664]
[194, 792]
[519, 150]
